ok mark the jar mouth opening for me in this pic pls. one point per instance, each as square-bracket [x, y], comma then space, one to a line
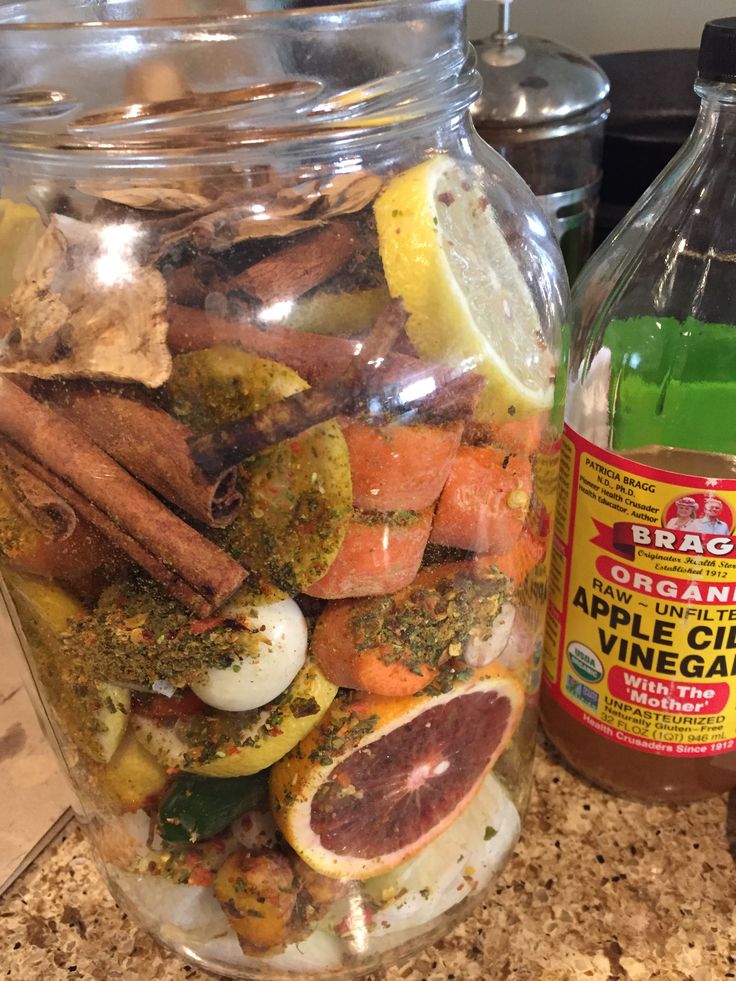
[28, 15]
[252, 77]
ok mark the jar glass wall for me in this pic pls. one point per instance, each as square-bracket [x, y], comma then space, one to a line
[277, 453]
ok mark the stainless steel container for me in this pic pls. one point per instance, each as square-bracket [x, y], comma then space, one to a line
[543, 108]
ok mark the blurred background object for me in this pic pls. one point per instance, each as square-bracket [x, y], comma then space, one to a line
[36, 798]
[653, 110]
[648, 51]
[543, 108]
[602, 26]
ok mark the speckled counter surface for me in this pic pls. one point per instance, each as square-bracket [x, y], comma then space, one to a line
[598, 889]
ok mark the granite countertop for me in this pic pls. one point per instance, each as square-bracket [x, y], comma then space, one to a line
[598, 888]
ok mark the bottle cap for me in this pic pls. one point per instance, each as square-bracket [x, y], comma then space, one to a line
[717, 58]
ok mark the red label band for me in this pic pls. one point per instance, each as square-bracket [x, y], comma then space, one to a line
[624, 537]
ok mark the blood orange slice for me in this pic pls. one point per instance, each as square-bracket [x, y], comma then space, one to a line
[381, 777]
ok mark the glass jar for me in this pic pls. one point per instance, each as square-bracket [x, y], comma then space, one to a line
[278, 445]
[639, 666]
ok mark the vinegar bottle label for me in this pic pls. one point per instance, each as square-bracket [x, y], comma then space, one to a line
[640, 640]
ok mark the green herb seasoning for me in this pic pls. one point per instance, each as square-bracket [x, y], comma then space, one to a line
[426, 625]
[137, 636]
[393, 519]
[343, 731]
[297, 495]
[71, 683]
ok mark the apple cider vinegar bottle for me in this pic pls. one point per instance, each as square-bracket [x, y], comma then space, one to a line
[639, 688]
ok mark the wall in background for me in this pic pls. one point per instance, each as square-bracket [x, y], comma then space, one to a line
[598, 26]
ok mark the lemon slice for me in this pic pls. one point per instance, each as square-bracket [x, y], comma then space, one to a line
[133, 777]
[340, 313]
[297, 495]
[445, 255]
[236, 744]
[94, 715]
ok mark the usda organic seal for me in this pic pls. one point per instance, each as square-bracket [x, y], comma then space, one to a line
[584, 662]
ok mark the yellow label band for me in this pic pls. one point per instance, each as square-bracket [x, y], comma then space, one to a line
[640, 643]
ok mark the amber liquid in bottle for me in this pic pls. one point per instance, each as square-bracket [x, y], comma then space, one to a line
[613, 766]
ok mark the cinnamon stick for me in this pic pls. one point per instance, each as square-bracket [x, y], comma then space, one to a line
[310, 355]
[410, 382]
[299, 266]
[152, 445]
[458, 398]
[192, 282]
[75, 552]
[175, 586]
[299, 412]
[44, 510]
[313, 356]
[53, 449]
[276, 422]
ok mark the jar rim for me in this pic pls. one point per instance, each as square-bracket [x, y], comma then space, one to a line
[336, 74]
[248, 18]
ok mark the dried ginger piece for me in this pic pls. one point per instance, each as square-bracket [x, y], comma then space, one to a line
[85, 308]
[274, 210]
[154, 197]
[345, 194]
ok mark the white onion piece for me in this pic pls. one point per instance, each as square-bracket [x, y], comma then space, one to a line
[274, 649]
[478, 653]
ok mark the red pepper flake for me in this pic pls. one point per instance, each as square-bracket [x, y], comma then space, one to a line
[275, 731]
[231, 750]
[446, 198]
[201, 877]
[296, 447]
[202, 626]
